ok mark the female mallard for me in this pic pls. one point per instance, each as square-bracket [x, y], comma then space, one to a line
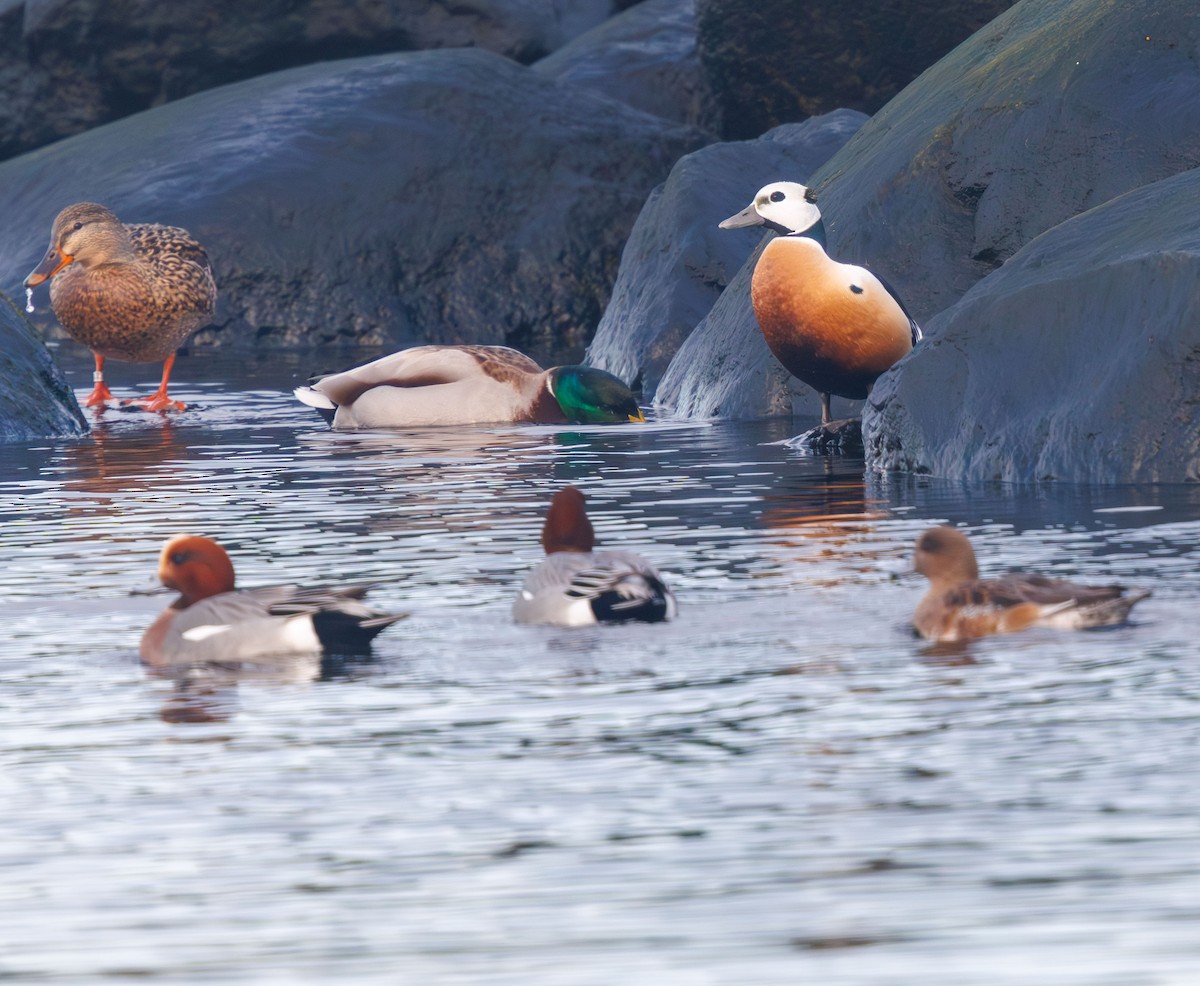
[134, 293]
[959, 605]
[835, 326]
[213, 621]
[460, 385]
[577, 586]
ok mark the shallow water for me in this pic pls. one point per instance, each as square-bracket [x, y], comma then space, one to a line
[783, 786]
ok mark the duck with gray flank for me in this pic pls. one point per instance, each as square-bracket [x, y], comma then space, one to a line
[576, 585]
[462, 385]
[213, 621]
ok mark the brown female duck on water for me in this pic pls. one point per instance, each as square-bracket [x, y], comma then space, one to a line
[130, 292]
[961, 606]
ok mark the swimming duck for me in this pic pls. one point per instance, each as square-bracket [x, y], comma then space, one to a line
[835, 326]
[961, 606]
[133, 293]
[213, 621]
[458, 385]
[577, 586]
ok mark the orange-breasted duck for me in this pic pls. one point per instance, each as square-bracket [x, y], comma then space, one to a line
[576, 585]
[457, 385]
[961, 606]
[129, 292]
[214, 621]
[834, 326]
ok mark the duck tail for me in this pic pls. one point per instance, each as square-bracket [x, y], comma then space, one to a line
[1110, 612]
[636, 597]
[315, 399]
[342, 632]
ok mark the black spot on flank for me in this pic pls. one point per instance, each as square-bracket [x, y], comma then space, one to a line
[856, 289]
[777, 196]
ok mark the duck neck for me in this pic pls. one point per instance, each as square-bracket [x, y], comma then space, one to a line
[814, 232]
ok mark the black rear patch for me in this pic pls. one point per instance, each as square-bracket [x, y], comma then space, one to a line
[648, 606]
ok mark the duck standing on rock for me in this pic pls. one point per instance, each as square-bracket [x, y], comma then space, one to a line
[578, 586]
[462, 385]
[835, 326]
[960, 606]
[129, 292]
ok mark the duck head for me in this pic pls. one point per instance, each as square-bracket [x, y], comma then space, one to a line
[787, 207]
[87, 234]
[589, 396]
[195, 567]
[567, 527]
[945, 555]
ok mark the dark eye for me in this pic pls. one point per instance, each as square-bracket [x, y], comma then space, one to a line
[810, 195]
[179, 557]
[777, 196]
[79, 225]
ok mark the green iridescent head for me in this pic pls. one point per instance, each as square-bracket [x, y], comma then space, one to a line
[589, 396]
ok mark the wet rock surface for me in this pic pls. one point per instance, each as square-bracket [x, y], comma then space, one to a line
[1078, 360]
[379, 201]
[35, 400]
[70, 65]
[645, 57]
[775, 61]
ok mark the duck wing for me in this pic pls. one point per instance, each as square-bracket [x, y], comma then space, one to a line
[182, 273]
[274, 620]
[425, 366]
[917, 334]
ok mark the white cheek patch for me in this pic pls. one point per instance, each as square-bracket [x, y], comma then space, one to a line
[196, 634]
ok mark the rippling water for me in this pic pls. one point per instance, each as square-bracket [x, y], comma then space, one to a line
[783, 786]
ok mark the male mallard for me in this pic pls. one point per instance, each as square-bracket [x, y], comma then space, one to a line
[134, 293]
[213, 621]
[578, 586]
[459, 385]
[835, 326]
[960, 606]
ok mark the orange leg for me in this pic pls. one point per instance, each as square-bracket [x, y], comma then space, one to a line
[159, 401]
[100, 392]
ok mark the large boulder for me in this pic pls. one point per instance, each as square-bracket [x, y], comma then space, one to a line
[1078, 360]
[382, 200]
[775, 61]
[1055, 107]
[35, 399]
[70, 65]
[677, 262]
[646, 57]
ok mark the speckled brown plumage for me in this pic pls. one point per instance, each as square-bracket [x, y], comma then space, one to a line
[133, 293]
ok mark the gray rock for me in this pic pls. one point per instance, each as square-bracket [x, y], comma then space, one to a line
[776, 61]
[1078, 360]
[448, 196]
[677, 263]
[645, 57]
[70, 65]
[1053, 108]
[35, 399]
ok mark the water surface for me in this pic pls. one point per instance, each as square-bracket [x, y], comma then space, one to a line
[783, 786]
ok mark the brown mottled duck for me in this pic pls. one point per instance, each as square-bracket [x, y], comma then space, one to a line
[129, 292]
